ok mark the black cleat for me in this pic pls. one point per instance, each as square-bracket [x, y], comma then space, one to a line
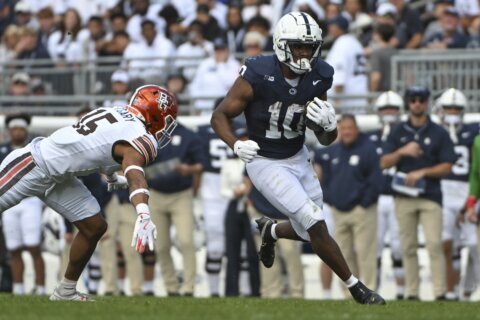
[363, 295]
[267, 249]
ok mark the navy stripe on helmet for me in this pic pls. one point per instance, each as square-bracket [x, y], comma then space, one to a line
[307, 24]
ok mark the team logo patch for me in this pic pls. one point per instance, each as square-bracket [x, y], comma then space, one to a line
[176, 140]
[427, 141]
[354, 160]
[292, 91]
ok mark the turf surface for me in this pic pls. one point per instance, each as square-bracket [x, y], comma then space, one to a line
[142, 308]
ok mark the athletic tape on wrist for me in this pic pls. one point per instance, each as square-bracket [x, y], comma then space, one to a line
[133, 167]
[137, 191]
[142, 208]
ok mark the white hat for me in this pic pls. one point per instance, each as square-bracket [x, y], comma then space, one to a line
[22, 6]
[386, 8]
[21, 76]
[120, 76]
[254, 37]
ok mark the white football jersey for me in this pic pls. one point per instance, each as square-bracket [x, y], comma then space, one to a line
[87, 146]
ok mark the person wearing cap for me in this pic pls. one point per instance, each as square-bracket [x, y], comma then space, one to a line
[423, 154]
[388, 107]
[120, 86]
[433, 17]
[254, 43]
[21, 224]
[382, 51]
[24, 15]
[386, 13]
[214, 76]
[349, 62]
[19, 87]
[449, 37]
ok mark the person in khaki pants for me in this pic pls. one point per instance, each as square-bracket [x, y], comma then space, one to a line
[120, 217]
[271, 280]
[173, 179]
[352, 190]
[423, 153]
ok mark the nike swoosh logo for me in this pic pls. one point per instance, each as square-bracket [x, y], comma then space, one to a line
[316, 81]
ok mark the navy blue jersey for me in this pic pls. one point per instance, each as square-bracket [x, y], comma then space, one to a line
[355, 174]
[463, 148]
[375, 137]
[215, 150]
[276, 115]
[5, 149]
[186, 148]
[437, 148]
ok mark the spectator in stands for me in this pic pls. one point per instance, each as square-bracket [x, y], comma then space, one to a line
[261, 25]
[177, 84]
[468, 11]
[474, 32]
[22, 223]
[235, 28]
[142, 11]
[380, 57]
[148, 58]
[348, 60]
[332, 9]
[10, 38]
[410, 20]
[46, 20]
[171, 180]
[386, 13]
[20, 84]
[93, 38]
[7, 15]
[449, 37]
[119, 86]
[215, 9]
[211, 28]
[63, 44]
[195, 49]
[354, 188]
[353, 11]
[433, 25]
[214, 77]
[254, 43]
[118, 22]
[116, 46]
[174, 29]
[29, 46]
[252, 8]
[423, 153]
[24, 16]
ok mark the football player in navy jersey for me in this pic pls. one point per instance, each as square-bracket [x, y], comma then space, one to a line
[388, 107]
[450, 108]
[278, 94]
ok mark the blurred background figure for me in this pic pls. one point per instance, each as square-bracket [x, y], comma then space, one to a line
[120, 86]
[22, 224]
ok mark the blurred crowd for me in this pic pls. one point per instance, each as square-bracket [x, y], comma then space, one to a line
[202, 42]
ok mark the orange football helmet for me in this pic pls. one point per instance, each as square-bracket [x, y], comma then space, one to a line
[157, 108]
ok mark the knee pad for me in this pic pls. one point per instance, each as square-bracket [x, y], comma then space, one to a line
[148, 258]
[306, 217]
[213, 263]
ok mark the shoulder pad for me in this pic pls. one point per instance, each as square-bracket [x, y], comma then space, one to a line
[256, 68]
[323, 69]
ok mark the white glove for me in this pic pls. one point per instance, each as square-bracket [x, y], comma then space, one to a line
[144, 232]
[246, 150]
[322, 113]
[116, 182]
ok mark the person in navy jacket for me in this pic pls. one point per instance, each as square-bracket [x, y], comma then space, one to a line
[173, 181]
[355, 181]
[424, 153]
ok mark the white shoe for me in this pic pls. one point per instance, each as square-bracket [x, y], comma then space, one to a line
[76, 296]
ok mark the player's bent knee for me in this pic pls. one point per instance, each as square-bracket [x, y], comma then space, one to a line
[93, 227]
[319, 230]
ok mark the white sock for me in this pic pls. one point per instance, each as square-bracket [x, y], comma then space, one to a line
[351, 281]
[67, 287]
[148, 286]
[327, 294]
[214, 283]
[40, 290]
[400, 290]
[244, 283]
[272, 231]
[93, 285]
[18, 288]
[121, 284]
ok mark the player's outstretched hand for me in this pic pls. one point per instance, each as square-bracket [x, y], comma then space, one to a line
[145, 232]
[322, 114]
[246, 150]
[116, 182]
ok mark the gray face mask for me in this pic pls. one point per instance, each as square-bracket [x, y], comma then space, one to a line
[452, 119]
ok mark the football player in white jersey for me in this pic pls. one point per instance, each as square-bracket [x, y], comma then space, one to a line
[103, 140]
[450, 108]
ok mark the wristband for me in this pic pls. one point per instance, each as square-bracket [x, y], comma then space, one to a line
[142, 208]
[135, 192]
[133, 167]
[112, 177]
[471, 201]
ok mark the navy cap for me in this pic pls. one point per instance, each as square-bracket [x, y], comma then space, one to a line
[417, 91]
[340, 21]
[451, 11]
[219, 43]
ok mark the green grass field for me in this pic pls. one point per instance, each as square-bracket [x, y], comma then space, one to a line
[143, 308]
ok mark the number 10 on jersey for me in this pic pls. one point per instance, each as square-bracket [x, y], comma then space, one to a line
[293, 123]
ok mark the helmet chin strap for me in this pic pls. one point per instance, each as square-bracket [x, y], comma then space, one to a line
[301, 66]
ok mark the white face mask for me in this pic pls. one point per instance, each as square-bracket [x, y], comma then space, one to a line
[301, 66]
[389, 118]
[452, 119]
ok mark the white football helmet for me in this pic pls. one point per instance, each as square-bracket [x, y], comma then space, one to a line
[297, 28]
[452, 98]
[389, 99]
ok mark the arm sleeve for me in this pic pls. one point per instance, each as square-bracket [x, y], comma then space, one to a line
[146, 147]
[474, 177]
